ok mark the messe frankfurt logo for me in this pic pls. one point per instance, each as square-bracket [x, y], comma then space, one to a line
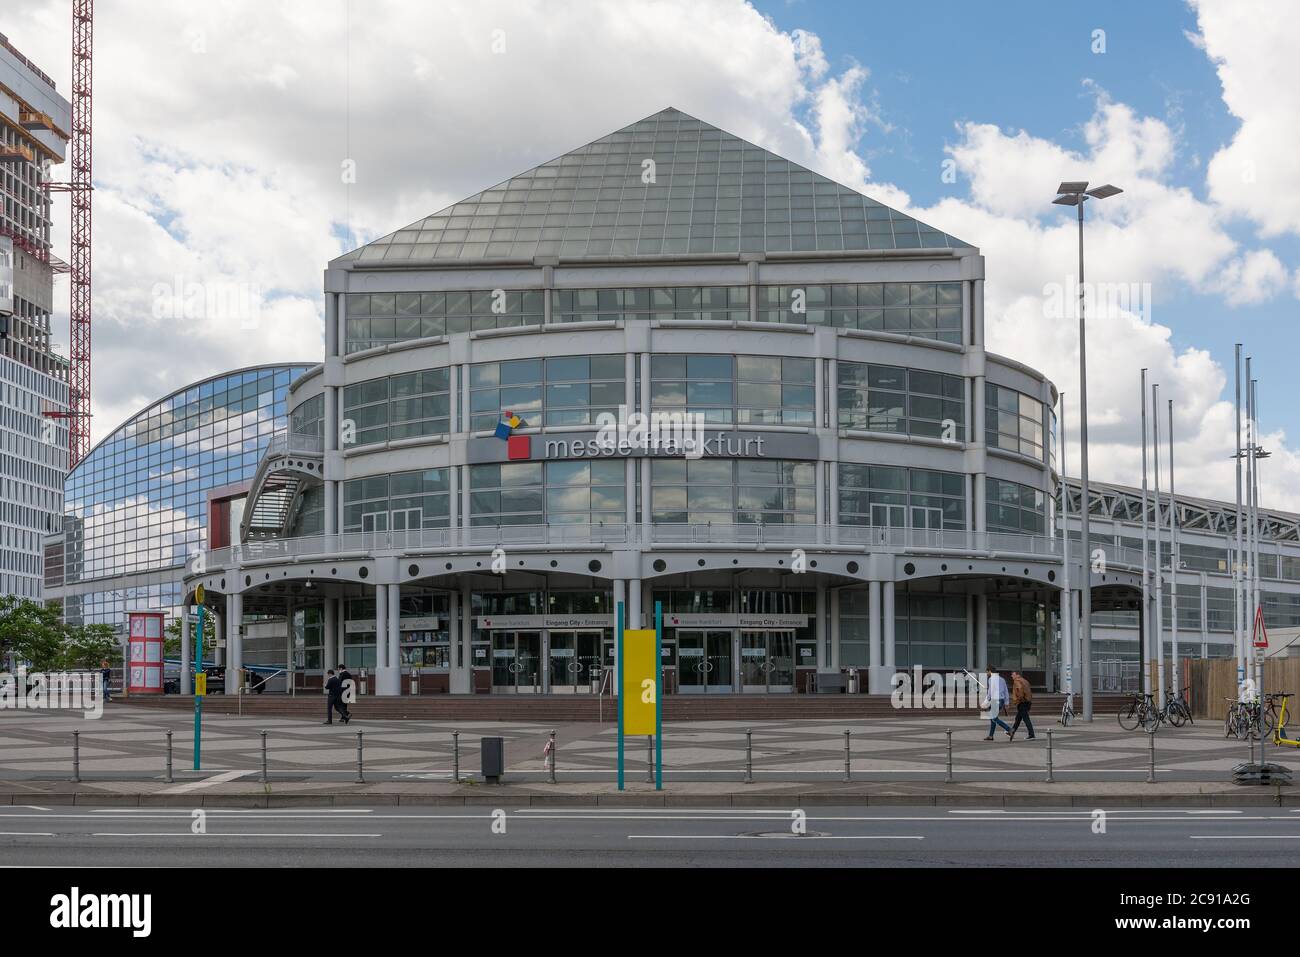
[517, 446]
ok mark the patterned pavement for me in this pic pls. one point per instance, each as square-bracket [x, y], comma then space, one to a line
[129, 744]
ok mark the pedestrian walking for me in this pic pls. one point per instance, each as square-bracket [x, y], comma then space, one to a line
[1021, 697]
[349, 691]
[334, 698]
[995, 700]
[106, 672]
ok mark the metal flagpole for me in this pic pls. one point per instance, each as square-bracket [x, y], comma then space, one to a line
[617, 684]
[1256, 455]
[1173, 558]
[1238, 606]
[1248, 562]
[1067, 599]
[1158, 631]
[1144, 632]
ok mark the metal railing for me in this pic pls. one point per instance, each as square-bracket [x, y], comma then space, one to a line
[604, 536]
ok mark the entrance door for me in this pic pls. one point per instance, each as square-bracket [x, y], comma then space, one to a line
[704, 662]
[516, 662]
[575, 658]
[374, 526]
[767, 661]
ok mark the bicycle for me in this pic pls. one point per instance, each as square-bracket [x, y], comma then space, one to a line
[1141, 712]
[1067, 711]
[1242, 720]
[1176, 710]
[1279, 729]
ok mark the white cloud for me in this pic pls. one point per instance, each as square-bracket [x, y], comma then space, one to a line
[1253, 47]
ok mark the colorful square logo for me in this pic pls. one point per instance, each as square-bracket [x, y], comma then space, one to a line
[519, 447]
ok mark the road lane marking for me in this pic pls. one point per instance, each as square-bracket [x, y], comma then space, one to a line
[26, 834]
[775, 837]
[222, 778]
[224, 834]
[1245, 837]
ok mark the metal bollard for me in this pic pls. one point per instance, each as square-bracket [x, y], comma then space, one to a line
[265, 779]
[1050, 779]
[848, 776]
[361, 779]
[76, 757]
[650, 758]
[749, 756]
[169, 757]
[1151, 768]
[1252, 748]
[552, 755]
[455, 757]
[947, 778]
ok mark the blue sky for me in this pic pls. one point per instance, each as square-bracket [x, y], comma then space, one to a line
[1028, 65]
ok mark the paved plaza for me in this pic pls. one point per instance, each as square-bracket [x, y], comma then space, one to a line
[128, 745]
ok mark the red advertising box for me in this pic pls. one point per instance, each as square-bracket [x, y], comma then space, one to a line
[144, 662]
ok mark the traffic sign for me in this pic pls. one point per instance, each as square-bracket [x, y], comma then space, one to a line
[1259, 632]
[199, 595]
[200, 683]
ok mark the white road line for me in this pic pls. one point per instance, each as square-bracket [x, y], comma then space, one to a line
[25, 834]
[206, 782]
[1245, 837]
[773, 837]
[224, 834]
[231, 810]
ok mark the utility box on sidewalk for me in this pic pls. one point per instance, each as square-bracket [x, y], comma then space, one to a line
[492, 759]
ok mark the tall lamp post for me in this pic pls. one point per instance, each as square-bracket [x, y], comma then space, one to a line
[1076, 193]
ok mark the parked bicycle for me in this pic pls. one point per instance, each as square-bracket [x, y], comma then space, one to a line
[1067, 711]
[1242, 720]
[1142, 713]
[1177, 711]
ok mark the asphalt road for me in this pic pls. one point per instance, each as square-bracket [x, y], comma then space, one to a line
[618, 837]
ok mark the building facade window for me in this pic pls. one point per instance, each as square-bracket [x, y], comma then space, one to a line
[719, 491]
[309, 418]
[929, 630]
[560, 493]
[659, 303]
[929, 310]
[1017, 633]
[886, 496]
[403, 501]
[556, 391]
[879, 398]
[376, 319]
[1012, 507]
[1013, 421]
[729, 390]
[404, 406]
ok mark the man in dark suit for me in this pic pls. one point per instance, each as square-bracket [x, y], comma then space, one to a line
[348, 684]
[334, 699]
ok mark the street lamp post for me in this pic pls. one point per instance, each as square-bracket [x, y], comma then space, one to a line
[1076, 193]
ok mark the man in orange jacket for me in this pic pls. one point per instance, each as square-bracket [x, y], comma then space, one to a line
[1021, 697]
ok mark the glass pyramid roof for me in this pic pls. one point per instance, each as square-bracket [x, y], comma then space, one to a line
[706, 192]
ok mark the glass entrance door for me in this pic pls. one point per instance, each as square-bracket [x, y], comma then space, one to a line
[766, 661]
[516, 662]
[575, 657]
[704, 662]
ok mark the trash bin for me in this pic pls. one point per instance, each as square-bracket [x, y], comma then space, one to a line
[361, 685]
[492, 758]
[595, 681]
[853, 681]
[415, 681]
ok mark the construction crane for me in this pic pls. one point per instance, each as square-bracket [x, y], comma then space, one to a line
[79, 186]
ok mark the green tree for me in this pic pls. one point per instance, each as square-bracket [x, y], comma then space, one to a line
[32, 632]
[89, 645]
[172, 636]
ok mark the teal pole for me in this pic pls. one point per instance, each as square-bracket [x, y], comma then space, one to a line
[198, 699]
[617, 686]
[659, 696]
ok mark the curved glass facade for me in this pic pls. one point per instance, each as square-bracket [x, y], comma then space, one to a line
[137, 504]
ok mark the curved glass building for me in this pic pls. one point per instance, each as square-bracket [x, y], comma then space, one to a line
[161, 488]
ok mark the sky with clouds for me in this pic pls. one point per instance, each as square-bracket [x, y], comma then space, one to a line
[222, 129]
